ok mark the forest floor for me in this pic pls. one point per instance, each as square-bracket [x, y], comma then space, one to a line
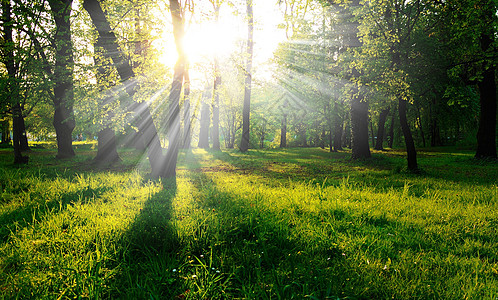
[267, 224]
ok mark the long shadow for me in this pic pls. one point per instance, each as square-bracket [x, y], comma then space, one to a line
[148, 251]
[26, 215]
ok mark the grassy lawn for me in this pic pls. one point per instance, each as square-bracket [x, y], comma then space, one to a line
[267, 224]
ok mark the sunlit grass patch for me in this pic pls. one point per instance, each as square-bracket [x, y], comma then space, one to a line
[264, 224]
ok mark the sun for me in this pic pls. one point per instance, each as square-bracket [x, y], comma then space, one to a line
[208, 41]
[202, 43]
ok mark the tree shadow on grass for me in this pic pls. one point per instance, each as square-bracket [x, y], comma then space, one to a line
[148, 251]
[24, 216]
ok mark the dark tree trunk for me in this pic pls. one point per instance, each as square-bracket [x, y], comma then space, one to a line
[391, 131]
[106, 143]
[5, 131]
[434, 127]
[283, 132]
[12, 83]
[380, 131]
[486, 134]
[146, 125]
[420, 127]
[411, 154]
[322, 138]
[17, 135]
[338, 129]
[24, 137]
[64, 121]
[372, 135]
[216, 107]
[169, 169]
[107, 152]
[246, 112]
[359, 128]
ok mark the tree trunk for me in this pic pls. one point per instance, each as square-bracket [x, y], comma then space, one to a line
[169, 169]
[187, 115]
[204, 126]
[391, 131]
[17, 135]
[12, 83]
[106, 143]
[146, 125]
[434, 127]
[359, 128]
[64, 121]
[411, 154]
[486, 134]
[283, 132]
[419, 124]
[24, 137]
[380, 130]
[246, 112]
[338, 130]
[107, 146]
[372, 135]
[216, 107]
[5, 130]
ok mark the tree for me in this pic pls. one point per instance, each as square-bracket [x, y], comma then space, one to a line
[244, 144]
[64, 121]
[110, 45]
[12, 85]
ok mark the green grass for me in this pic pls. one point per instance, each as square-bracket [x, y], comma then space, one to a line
[267, 224]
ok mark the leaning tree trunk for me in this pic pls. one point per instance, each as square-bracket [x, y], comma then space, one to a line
[486, 134]
[380, 130]
[246, 112]
[64, 121]
[107, 146]
[146, 125]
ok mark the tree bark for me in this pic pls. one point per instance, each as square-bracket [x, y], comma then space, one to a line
[246, 112]
[380, 131]
[486, 134]
[64, 121]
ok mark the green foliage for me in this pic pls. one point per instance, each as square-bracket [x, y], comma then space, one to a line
[293, 223]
